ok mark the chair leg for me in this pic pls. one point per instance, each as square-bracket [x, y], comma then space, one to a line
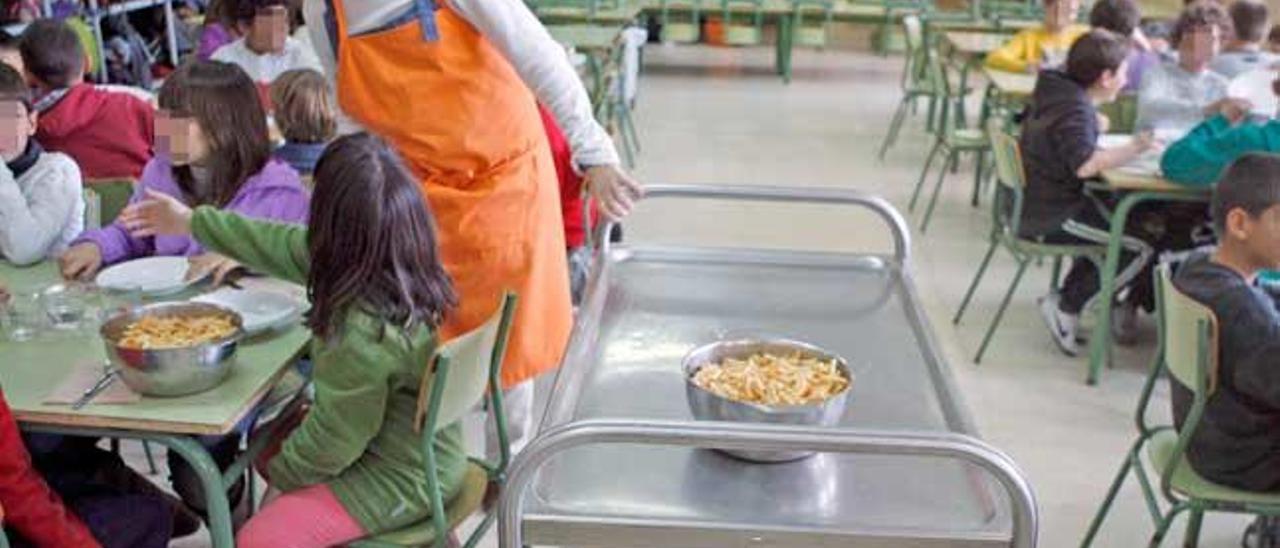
[978, 171]
[1194, 518]
[1098, 518]
[1163, 527]
[1004, 304]
[1055, 275]
[894, 126]
[937, 189]
[933, 110]
[151, 460]
[915, 194]
[977, 278]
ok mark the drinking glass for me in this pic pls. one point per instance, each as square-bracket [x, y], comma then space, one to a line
[66, 305]
[22, 315]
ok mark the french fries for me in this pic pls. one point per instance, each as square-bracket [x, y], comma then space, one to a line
[769, 379]
[175, 331]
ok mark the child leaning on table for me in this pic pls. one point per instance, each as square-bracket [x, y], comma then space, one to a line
[1047, 45]
[213, 150]
[1060, 150]
[1235, 444]
[354, 466]
[1203, 154]
[41, 201]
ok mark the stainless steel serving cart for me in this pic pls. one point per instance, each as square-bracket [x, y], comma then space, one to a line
[620, 461]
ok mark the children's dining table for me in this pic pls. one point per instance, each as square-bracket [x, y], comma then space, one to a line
[31, 370]
[1132, 187]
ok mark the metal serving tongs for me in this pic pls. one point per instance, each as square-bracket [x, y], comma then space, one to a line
[109, 376]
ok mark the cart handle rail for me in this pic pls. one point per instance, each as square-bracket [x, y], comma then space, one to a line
[882, 208]
[745, 436]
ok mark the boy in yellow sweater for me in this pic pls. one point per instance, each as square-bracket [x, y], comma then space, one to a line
[1045, 45]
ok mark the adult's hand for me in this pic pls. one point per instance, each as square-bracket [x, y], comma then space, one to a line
[80, 261]
[614, 190]
[159, 213]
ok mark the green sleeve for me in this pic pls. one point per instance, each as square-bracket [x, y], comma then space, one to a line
[1014, 55]
[352, 386]
[276, 249]
[1199, 158]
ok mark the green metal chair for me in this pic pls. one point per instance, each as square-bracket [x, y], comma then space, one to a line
[739, 33]
[1187, 355]
[1123, 113]
[950, 140]
[916, 82]
[1006, 215]
[677, 29]
[813, 31]
[113, 196]
[465, 371]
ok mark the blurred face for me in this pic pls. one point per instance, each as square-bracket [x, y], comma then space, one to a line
[268, 31]
[1198, 47]
[1061, 14]
[1259, 235]
[12, 58]
[181, 138]
[16, 128]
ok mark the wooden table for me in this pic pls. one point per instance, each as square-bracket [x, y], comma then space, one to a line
[1134, 188]
[972, 45]
[31, 370]
[1010, 85]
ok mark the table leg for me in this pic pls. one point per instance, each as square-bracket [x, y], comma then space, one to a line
[211, 479]
[785, 46]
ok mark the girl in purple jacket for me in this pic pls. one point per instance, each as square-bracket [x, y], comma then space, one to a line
[212, 149]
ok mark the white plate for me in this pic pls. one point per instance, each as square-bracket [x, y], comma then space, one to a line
[1255, 86]
[150, 276]
[260, 310]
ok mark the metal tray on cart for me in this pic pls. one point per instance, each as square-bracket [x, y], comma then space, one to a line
[620, 461]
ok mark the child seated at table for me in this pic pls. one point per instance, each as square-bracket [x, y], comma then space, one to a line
[219, 28]
[265, 49]
[213, 150]
[1123, 17]
[1235, 443]
[1176, 95]
[1059, 151]
[306, 116]
[1043, 46]
[109, 134]
[353, 466]
[41, 201]
[1250, 21]
[1201, 156]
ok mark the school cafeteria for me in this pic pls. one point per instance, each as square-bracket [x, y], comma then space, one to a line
[639, 273]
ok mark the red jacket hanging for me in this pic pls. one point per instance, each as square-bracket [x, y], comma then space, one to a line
[575, 230]
[29, 506]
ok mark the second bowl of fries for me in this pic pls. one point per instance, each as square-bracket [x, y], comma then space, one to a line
[173, 349]
[775, 381]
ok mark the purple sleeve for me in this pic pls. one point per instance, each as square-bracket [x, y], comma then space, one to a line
[284, 200]
[212, 37]
[115, 242]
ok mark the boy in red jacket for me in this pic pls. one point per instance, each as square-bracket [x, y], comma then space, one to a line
[31, 509]
[108, 133]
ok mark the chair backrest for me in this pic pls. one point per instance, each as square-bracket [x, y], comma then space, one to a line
[1123, 113]
[468, 364]
[1188, 336]
[92, 209]
[913, 66]
[113, 196]
[1011, 177]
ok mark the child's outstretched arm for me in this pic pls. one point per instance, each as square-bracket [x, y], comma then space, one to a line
[276, 249]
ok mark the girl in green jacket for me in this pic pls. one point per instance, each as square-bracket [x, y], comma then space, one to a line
[353, 467]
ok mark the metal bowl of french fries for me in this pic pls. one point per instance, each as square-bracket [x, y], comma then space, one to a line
[172, 349]
[776, 381]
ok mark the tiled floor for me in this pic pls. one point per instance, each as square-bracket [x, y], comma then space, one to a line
[719, 116]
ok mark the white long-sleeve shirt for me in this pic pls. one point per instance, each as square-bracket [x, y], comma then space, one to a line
[1171, 100]
[41, 211]
[516, 33]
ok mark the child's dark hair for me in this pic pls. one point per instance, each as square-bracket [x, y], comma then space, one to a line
[52, 53]
[1274, 35]
[1251, 183]
[304, 106]
[1119, 16]
[1198, 15]
[1093, 54]
[223, 100]
[8, 41]
[13, 87]
[372, 241]
[1250, 19]
[244, 10]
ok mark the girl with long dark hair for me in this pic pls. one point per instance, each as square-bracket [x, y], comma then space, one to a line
[378, 291]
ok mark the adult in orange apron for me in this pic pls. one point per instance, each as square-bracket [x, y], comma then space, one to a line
[468, 128]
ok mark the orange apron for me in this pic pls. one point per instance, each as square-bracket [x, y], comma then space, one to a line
[468, 128]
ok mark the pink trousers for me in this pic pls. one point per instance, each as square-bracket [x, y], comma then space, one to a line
[307, 518]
